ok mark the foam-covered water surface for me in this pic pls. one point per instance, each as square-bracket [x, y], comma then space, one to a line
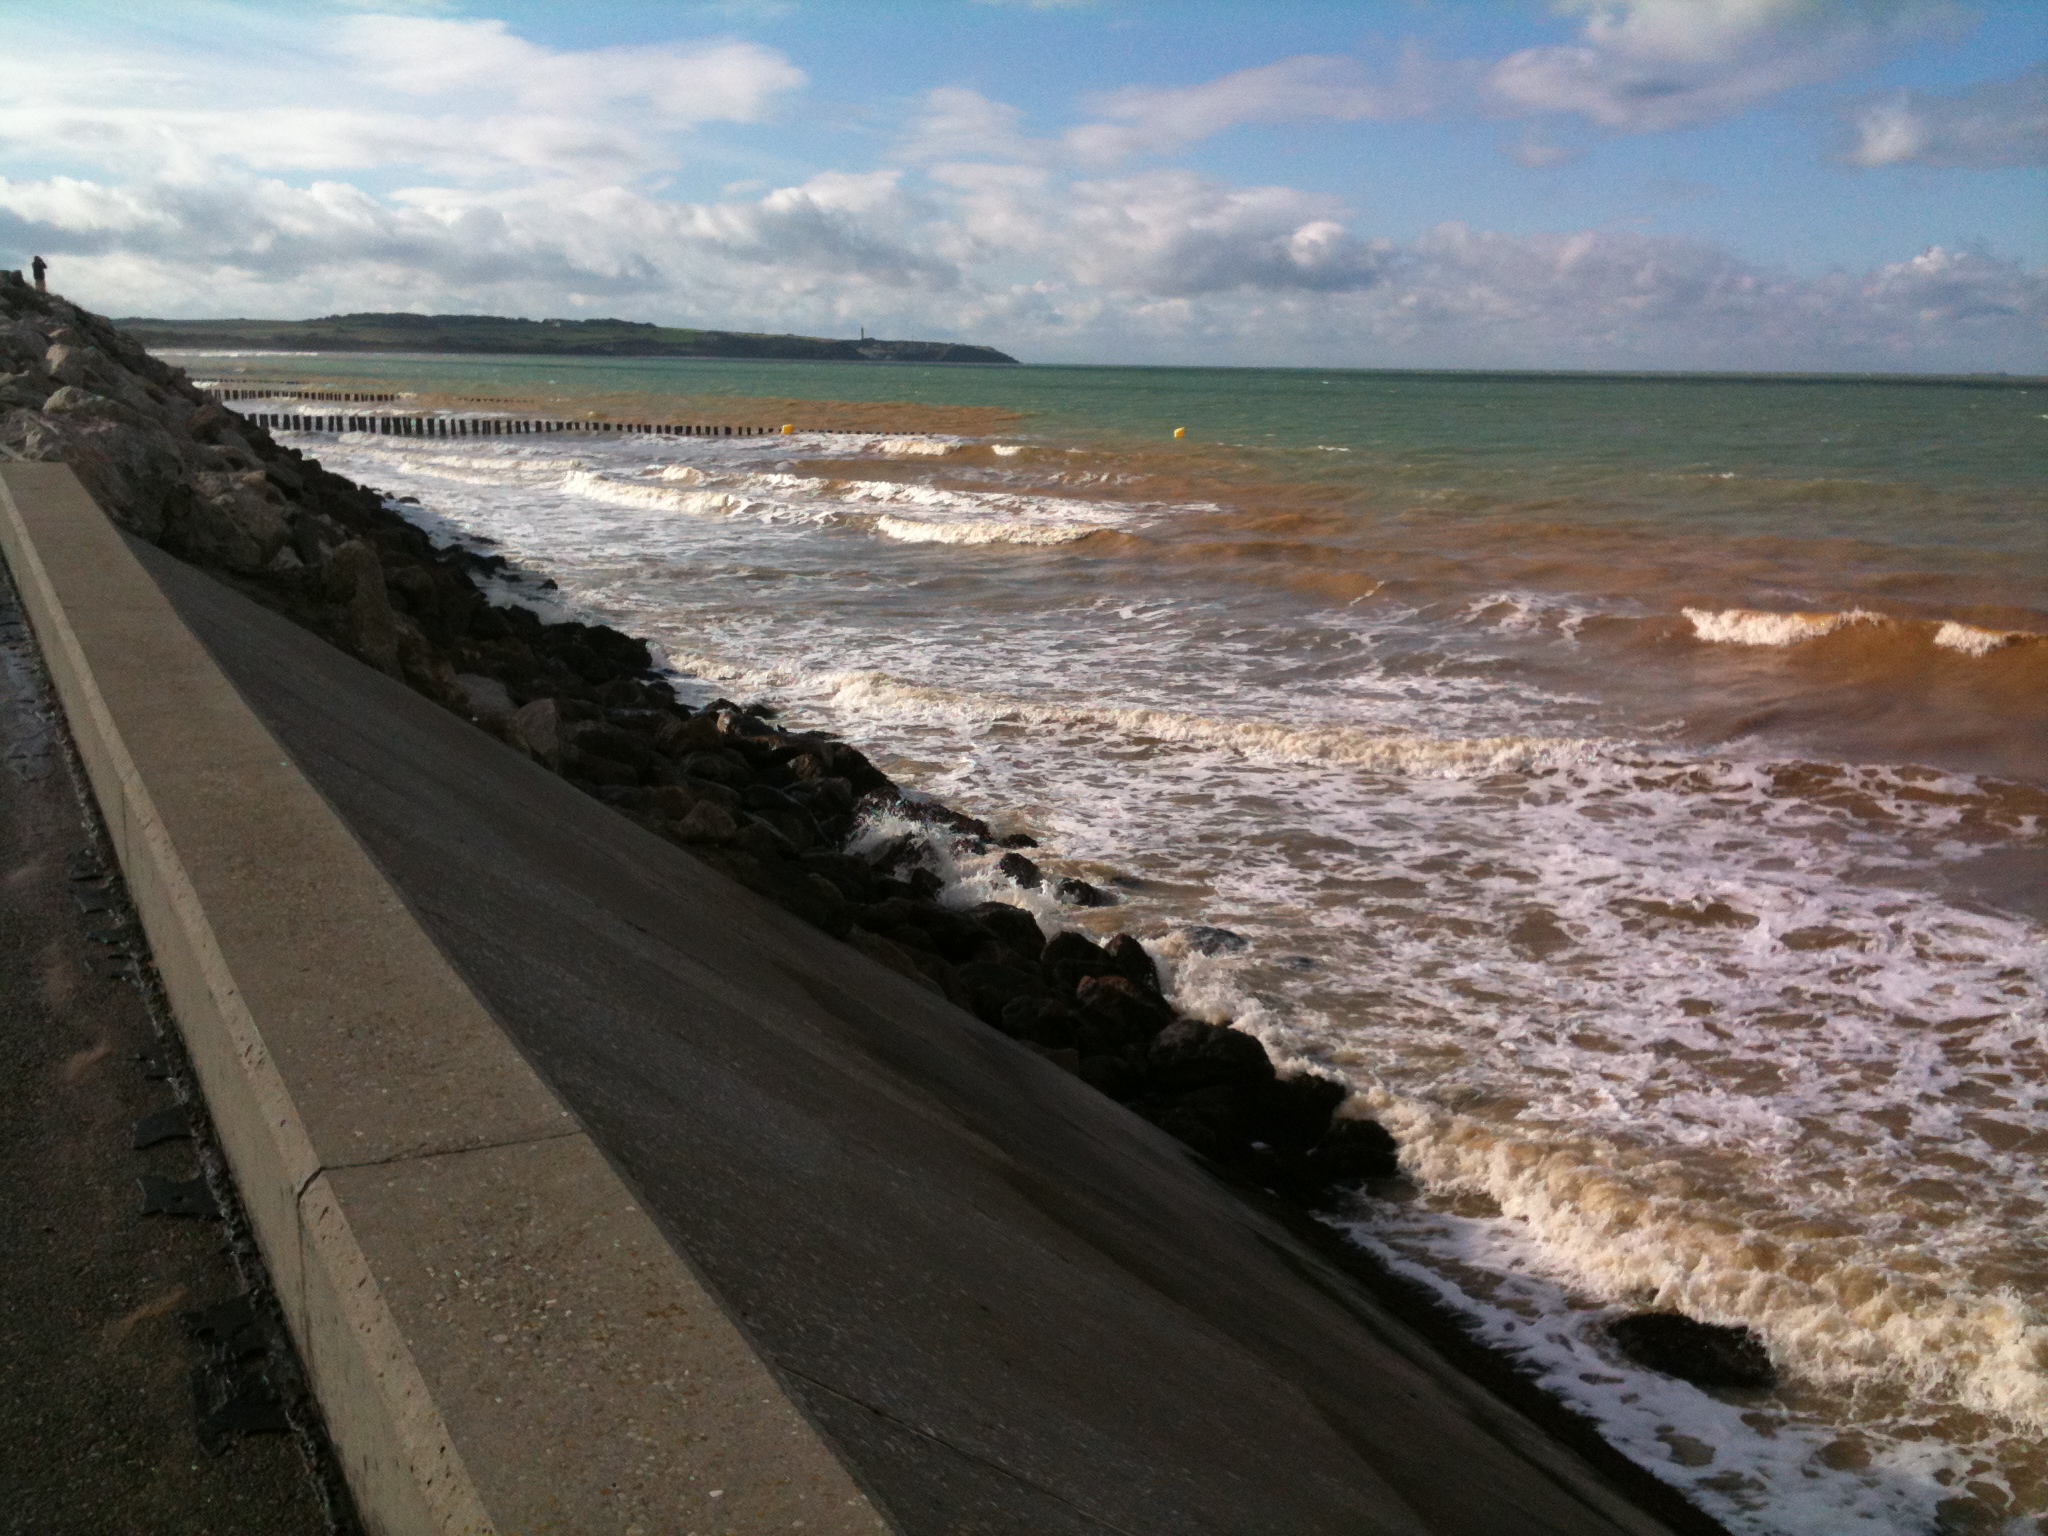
[1632, 924]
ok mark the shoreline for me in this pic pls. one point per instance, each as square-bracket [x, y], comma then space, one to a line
[774, 809]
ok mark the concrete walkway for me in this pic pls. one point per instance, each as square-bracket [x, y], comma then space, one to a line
[100, 1426]
[1009, 1305]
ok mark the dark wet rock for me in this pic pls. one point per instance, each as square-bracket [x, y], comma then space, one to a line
[1021, 871]
[803, 833]
[897, 854]
[763, 797]
[676, 799]
[681, 735]
[1215, 941]
[1705, 1354]
[934, 814]
[721, 765]
[1012, 926]
[954, 935]
[1131, 960]
[829, 796]
[957, 935]
[1294, 1113]
[1353, 1151]
[764, 840]
[1070, 948]
[1189, 1054]
[992, 988]
[1206, 1119]
[855, 880]
[1017, 840]
[1070, 958]
[1119, 1011]
[1041, 1021]
[595, 768]
[1079, 893]
[601, 738]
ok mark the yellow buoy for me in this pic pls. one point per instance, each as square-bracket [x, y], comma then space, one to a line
[787, 429]
[1180, 431]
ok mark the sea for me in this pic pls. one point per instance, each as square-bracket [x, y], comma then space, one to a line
[1635, 788]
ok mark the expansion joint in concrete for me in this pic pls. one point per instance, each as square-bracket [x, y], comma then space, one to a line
[420, 1155]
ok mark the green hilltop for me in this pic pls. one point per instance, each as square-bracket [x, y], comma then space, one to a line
[534, 338]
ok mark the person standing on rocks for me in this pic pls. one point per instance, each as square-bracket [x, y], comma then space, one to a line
[39, 267]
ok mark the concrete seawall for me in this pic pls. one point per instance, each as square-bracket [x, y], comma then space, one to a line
[602, 1195]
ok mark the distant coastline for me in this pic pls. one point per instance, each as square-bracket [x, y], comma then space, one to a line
[495, 334]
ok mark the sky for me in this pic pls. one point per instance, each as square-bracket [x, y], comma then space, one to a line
[1688, 184]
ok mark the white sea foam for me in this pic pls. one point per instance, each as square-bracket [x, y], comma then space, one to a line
[911, 531]
[877, 694]
[1829, 1311]
[1753, 626]
[1006, 450]
[629, 493]
[916, 447]
[1972, 641]
[1762, 1470]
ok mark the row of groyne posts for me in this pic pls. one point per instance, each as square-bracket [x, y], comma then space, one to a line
[425, 424]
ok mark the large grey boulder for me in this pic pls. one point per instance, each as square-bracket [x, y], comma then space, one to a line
[355, 577]
[237, 520]
[75, 400]
[24, 391]
[133, 470]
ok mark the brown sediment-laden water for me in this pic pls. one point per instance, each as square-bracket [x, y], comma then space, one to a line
[1636, 789]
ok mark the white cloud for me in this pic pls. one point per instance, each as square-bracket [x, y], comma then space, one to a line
[1159, 266]
[467, 99]
[1300, 89]
[958, 124]
[1646, 66]
[2004, 122]
[1637, 66]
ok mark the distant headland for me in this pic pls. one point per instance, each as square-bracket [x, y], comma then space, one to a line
[546, 338]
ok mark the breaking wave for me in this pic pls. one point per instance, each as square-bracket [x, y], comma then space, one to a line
[1832, 1311]
[630, 493]
[1972, 641]
[911, 531]
[1756, 626]
[1396, 753]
